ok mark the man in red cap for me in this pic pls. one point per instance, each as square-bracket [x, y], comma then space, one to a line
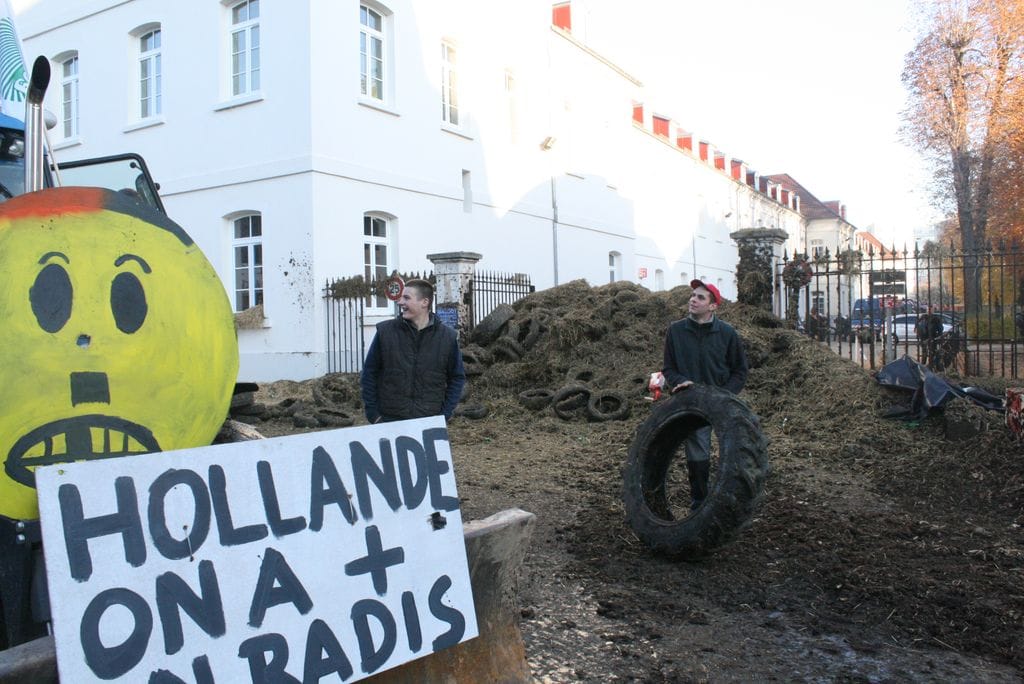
[701, 348]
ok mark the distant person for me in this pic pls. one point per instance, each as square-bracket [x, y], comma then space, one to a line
[928, 330]
[702, 348]
[414, 367]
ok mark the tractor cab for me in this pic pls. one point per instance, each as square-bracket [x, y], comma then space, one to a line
[124, 173]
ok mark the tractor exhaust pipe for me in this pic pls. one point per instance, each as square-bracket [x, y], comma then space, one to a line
[34, 126]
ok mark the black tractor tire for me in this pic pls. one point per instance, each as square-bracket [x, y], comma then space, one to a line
[567, 400]
[736, 488]
[607, 405]
[536, 399]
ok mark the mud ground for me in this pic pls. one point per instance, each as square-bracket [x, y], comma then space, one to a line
[884, 550]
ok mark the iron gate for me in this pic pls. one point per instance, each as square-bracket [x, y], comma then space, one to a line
[868, 306]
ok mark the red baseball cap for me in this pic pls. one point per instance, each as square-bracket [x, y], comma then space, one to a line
[715, 294]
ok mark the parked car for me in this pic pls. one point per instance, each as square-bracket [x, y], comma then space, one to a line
[904, 327]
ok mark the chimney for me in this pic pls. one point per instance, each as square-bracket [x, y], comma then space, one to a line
[660, 125]
[684, 140]
[842, 211]
[638, 113]
[561, 15]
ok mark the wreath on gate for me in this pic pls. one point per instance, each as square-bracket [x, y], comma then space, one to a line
[797, 273]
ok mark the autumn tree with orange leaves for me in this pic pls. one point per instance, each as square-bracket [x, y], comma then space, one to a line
[966, 115]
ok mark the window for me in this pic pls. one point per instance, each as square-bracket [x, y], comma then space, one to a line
[817, 249]
[245, 47]
[614, 266]
[150, 86]
[449, 85]
[659, 280]
[371, 53]
[818, 301]
[248, 258]
[375, 256]
[69, 96]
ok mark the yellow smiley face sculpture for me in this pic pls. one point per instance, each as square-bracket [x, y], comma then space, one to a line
[118, 337]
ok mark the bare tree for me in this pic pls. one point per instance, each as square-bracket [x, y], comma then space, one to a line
[963, 81]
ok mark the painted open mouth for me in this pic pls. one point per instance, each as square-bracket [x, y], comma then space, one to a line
[82, 438]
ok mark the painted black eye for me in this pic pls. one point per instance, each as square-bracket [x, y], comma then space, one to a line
[50, 295]
[128, 302]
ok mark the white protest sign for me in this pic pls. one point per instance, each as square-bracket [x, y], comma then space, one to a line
[328, 555]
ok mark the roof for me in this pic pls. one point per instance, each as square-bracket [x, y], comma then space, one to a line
[810, 206]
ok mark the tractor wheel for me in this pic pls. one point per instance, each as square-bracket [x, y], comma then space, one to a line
[735, 489]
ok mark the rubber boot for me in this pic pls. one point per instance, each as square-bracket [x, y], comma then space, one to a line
[699, 472]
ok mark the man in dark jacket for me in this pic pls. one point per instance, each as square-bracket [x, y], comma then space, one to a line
[413, 368]
[701, 348]
[929, 330]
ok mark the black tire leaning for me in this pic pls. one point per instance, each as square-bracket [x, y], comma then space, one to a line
[488, 329]
[736, 489]
[536, 399]
[533, 331]
[607, 405]
[567, 400]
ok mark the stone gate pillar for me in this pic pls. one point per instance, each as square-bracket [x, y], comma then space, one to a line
[759, 250]
[453, 272]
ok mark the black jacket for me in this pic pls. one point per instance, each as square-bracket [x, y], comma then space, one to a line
[412, 373]
[710, 353]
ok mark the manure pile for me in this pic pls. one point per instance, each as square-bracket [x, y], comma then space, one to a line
[813, 404]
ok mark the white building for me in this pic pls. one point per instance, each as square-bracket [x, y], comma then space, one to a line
[303, 141]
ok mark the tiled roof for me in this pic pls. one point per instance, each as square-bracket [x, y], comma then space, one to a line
[810, 206]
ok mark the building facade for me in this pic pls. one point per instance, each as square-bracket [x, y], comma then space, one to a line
[304, 141]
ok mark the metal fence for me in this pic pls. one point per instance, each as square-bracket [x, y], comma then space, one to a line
[346, 301]
[488, 289]
[874, 307]
[345, 340]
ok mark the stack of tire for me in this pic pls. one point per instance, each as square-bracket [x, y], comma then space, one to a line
[505, 339]
[575, 398]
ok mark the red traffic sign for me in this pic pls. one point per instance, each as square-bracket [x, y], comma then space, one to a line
[393, 288]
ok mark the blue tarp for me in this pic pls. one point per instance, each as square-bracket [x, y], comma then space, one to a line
[930, 391]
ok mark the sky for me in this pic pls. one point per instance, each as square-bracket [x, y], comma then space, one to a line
[805, 87]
